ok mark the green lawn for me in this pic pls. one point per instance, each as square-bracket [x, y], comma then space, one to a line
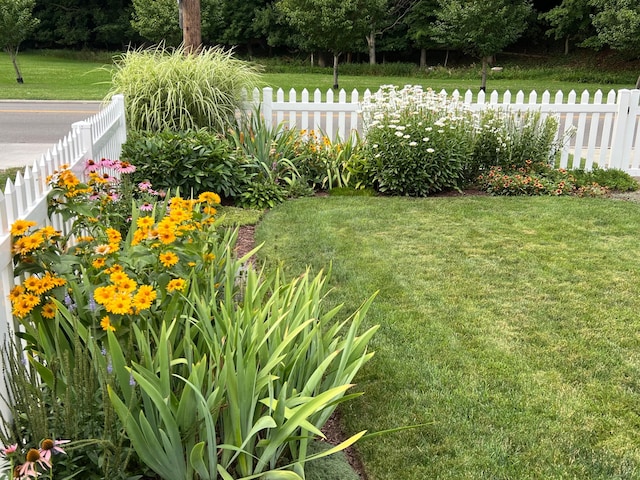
[508, 325]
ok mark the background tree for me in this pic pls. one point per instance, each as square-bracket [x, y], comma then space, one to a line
[571, 21]
[383, 16]
[336, 26]
[191, 18]
[242, 22]
[420, 20]
[157, 21]
[16, 22]
[617, 24]
[100, 24]
[481, 28]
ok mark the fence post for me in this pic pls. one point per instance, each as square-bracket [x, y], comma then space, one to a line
[267, 106]
[622, 131]
[83, 133]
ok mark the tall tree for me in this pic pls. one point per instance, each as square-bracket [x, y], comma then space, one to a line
[481, 28]
[336, 26]
[242, 22]
[617, 24]
[191, 25]
[16, 22]
[384, 15]
[571, 21]
[420, 21]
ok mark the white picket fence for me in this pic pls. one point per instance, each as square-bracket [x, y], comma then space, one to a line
[100, 136]
[607, 131]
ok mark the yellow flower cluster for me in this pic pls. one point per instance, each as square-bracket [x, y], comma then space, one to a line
[67, 180]
[35, 289]
[123, 296]
[33, 292]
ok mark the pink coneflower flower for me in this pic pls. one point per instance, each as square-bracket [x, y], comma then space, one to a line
[113, 197]
[125, 167]
[144, 186]
[108, 163]
[49, 447]
[9, 450]
[28, 468]
[92, 165]
[146, 207]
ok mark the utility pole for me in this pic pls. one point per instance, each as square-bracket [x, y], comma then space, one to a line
[191, 25]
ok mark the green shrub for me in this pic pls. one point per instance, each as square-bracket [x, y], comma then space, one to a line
[170, 89]
[417, 141]
[192, 160]
[611, 178]
[506, 139]
[261, 195]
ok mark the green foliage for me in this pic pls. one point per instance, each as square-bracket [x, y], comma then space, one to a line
[512, 139]
[81, 412]
[480, 27]
[417, 141]
[617, 23]
[262, 194]
[335, 467]
[16, 23]
[333, 25]
[191, 160]
[170, 89]
[611, 178]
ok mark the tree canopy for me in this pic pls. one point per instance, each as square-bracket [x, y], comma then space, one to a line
[481, 28]
[16, 23]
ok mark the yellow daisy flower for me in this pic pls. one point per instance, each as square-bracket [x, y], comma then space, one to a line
[168, 259]
[176, 284]
[20, 227]
[105, 323]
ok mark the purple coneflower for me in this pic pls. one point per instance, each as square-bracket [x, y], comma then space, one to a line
[144, 186]
[28, 468]
[146, 207]
[49, 447]
[9, 450]
[126, 167]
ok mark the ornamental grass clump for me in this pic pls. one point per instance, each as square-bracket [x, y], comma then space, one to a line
[418, 141]
[172, 89]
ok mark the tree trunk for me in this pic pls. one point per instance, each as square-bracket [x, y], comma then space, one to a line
[322, 62]
[566, 45]
[638, 82]
[335, 71]
[485, 66]
[191, 25]
[423, 57]
[13, 54]
[446, 58]
[371, 43]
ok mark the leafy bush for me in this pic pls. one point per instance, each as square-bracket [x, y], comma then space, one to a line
[611, 178]
[417, 141]
[191, 160]
[170, 89]
[261, 195]
[505, 138]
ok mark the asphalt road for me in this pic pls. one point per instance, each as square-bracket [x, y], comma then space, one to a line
[29, 128]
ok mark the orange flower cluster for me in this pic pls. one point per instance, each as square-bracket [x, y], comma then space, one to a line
[35, 289]
[65, 179]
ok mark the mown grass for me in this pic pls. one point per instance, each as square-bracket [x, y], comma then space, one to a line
[64, 75]
[508, 325]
